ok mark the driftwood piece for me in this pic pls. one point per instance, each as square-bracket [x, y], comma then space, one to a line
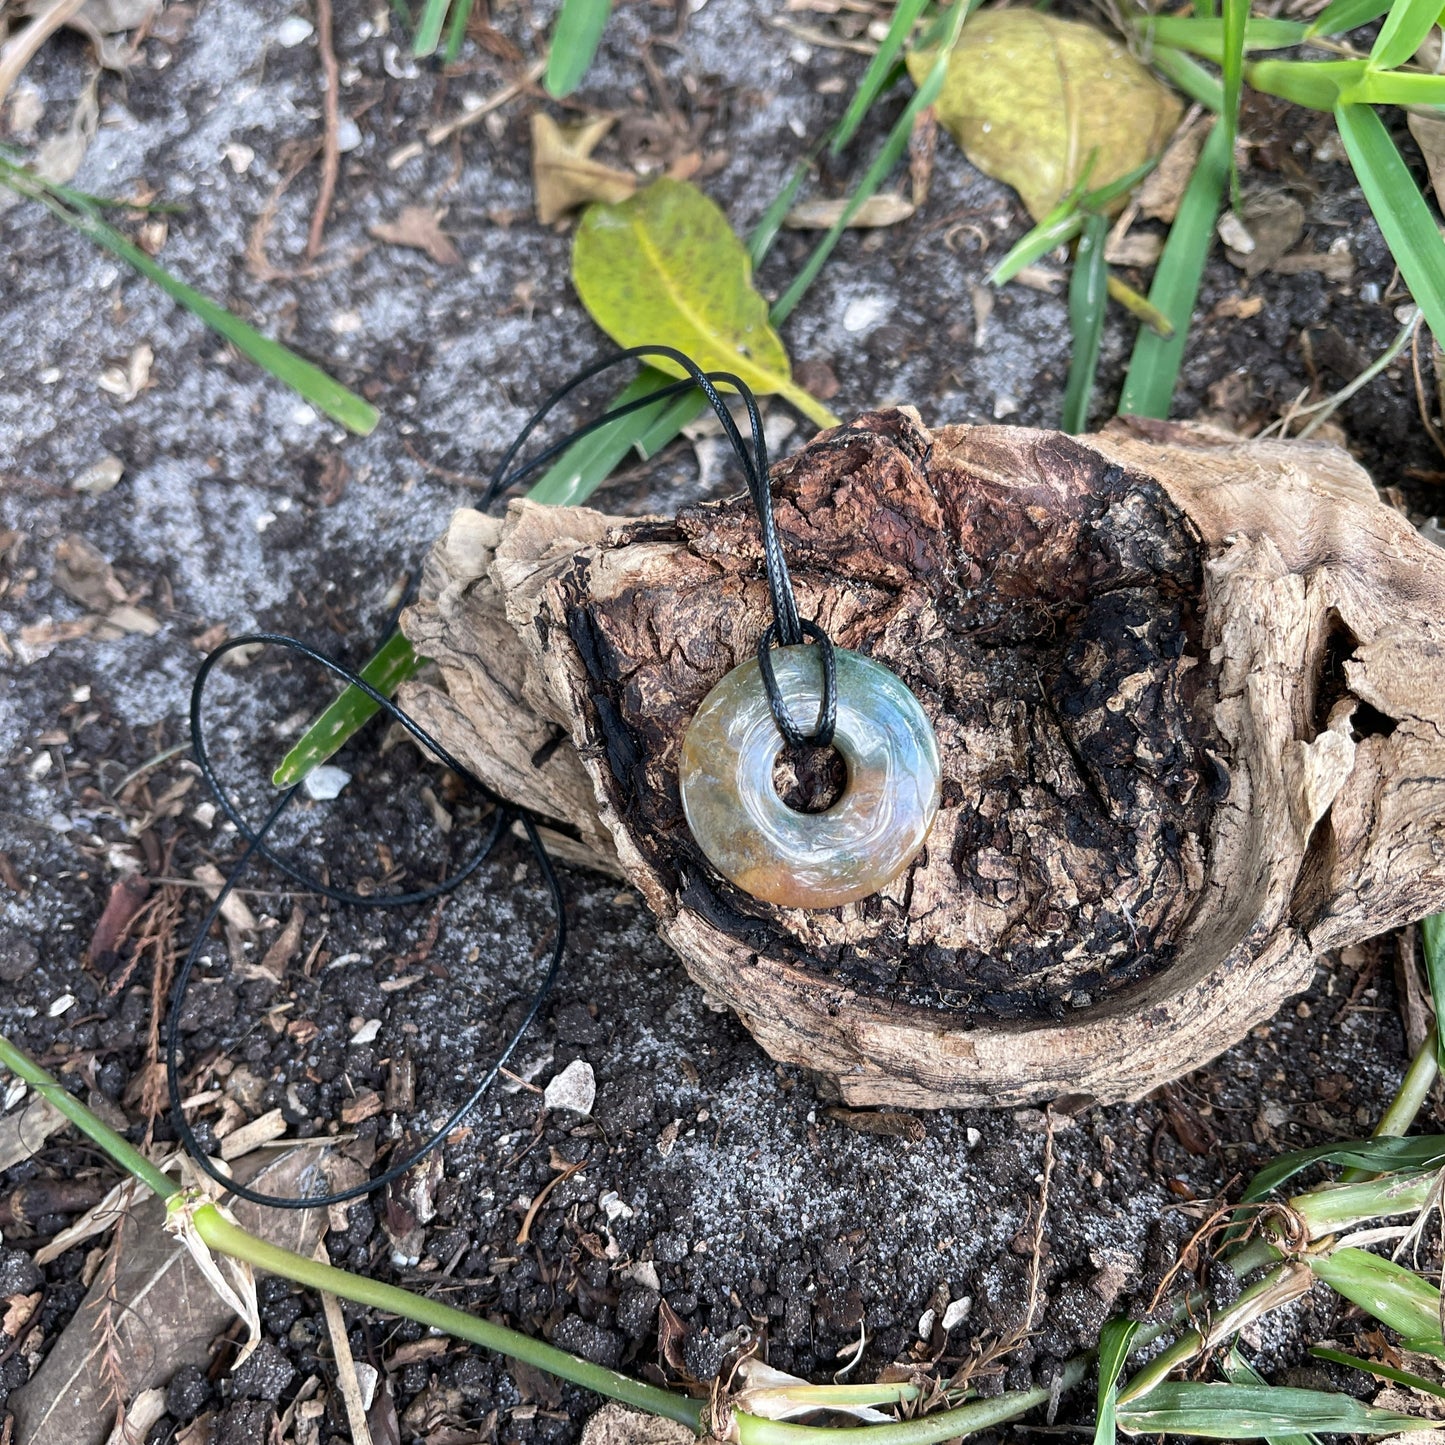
[1188, 699]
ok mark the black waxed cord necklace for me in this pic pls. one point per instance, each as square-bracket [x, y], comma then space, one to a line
[786, 629]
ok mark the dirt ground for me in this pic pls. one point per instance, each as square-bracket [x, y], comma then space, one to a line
[715, 1182]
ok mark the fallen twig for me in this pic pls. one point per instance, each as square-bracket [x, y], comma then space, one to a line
[331, 132]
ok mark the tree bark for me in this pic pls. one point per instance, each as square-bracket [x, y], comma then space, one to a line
[1187, 693]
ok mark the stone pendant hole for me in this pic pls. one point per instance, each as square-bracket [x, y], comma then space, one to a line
[810, 780]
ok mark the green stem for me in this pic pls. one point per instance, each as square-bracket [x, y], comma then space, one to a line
[926, 1430]
[220, 1234]
[1409, 1099]
[125, 1154]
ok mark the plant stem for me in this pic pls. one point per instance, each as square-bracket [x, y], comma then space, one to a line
[927, 1429]
[124, 1153]
[220, 1234]
[1409, 1099]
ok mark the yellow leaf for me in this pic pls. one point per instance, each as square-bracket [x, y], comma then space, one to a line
[1030, 97]
[665, 267]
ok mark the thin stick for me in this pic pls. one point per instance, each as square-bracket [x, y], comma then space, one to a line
[331, 133]
[345, 1364]
[534, 72]
[1430, 428]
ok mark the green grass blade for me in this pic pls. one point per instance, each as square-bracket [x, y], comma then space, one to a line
[1395, 87]
[1432, 939]
[1424, 1151]
[1407, 23]
[1379, 1369]
[1140, 306]
[1190, 76]
[429, 29]
[574, 42]
[1088, 297]
[1235, 25]
[1409, 229]
[1342, 15]
[1316, 84]
[1238, 1371]
[581, 469]
[1384, 1289]
[393, 663]
[893, 148]
[1114, 1341]
[285, 365]
[881, 72]
[1336, 1207]
[1210, 38]
[1252, 1412]
[1056, 229]
[1154, 366]
[457, 29]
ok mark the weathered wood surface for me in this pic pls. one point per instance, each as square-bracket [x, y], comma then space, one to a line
[1188, 699]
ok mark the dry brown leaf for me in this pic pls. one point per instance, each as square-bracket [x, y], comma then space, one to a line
[1429, 132]
[564, 175]
[24, 1131]
[18, 1310]
[1135, 248]
[886, 208]
[59, 156]
[1265, 228]
[419, 228]
[1160, 193]
[84, 575]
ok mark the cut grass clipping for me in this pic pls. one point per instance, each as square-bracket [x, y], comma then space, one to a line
[82, 214]
[1241, 1407]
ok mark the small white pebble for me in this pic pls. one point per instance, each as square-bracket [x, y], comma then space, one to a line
[293, 30]
[925, 1324]
[574, 1088]
[99, 477]
[863, 313]
[367, 1033]
[348, 135]
[973, 1136]
[238, 157]
[956, 1313]
[64, 1002]
[326, 782]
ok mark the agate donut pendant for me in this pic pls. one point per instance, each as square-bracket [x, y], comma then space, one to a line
[810, 860]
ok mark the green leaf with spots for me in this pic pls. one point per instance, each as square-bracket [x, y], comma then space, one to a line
[664, 268]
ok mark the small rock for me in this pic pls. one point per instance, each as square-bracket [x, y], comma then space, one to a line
[265, 1376]
[326, 782]
[863, 313]
[956, 1313]
[238, 156]
[574, 1088]
[188, 1393]
[637, 1311]
[18, 1273]
[925, 1324]
[99, 477]
[17, 959]
[293, 30]
[367, 1033]
[592, 1342]
[348, 135]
